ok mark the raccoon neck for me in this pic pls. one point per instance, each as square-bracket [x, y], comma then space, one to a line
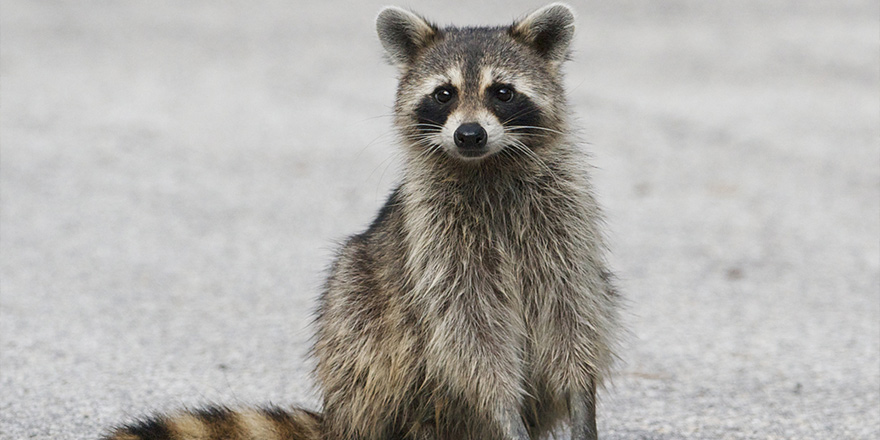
[441, 194]
[469, 223]
[502, 173]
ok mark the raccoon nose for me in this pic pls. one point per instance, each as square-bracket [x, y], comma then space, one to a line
[470, 136]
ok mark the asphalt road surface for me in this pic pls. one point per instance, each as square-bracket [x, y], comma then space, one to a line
[174, 177]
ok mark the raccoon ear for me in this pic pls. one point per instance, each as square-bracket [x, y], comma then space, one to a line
[403, 34]
[548, 30]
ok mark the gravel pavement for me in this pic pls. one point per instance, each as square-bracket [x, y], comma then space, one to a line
[174, 177]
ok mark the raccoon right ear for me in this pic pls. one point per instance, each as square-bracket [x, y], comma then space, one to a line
[403, 34]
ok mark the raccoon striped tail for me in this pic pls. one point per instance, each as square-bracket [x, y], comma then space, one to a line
[221, 423]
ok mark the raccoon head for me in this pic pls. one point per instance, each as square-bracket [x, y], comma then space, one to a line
[470, 93]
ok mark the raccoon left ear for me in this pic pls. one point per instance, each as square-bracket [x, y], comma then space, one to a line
[403, 34]
[548, 30]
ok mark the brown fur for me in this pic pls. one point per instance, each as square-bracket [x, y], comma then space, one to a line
[478, 304]
[220, 423]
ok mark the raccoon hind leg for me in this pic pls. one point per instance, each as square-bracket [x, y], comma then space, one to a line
[582, 408]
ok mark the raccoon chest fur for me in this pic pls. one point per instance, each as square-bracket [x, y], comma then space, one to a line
[509, 276]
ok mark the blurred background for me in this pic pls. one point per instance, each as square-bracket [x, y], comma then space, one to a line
[174, 178]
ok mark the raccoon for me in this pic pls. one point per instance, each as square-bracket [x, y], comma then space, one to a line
[478, 304]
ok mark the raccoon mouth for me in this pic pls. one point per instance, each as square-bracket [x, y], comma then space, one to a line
[473, 154]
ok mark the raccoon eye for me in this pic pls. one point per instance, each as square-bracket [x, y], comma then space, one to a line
[504, 94]
[443, 95]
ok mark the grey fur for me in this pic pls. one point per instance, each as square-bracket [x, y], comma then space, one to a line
[550, 29]
[478, 304]
[402, 33]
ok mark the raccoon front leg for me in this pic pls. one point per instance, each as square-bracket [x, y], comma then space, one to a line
[494, 396]
[483, 369]
[512, 426]
[582, 411]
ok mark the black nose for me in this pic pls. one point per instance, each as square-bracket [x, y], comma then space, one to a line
[470, 136]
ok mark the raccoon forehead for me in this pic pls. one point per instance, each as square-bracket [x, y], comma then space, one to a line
[451, 76]
[462, 55]
[522, 83]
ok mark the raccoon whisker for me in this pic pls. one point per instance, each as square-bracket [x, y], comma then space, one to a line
[531, 135]
[383, 135]
[532, 127]
[421, 129]
[417, 136]
[430, 121]
[429, 149]
[420, 138]
[420, 141]
[423, 140]
[524, 112]
[423, 155]
[507, 156]
[516, 115]
[527, 152]
[384, 115]
[524, 151]
[387, 163]
[531, 154]
[424, 127]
